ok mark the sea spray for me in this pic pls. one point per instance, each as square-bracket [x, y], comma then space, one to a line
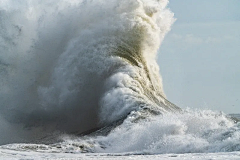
[78, 65]
[192, 131]
[67, 67]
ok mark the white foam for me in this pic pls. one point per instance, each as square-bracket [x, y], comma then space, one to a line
[58, 59]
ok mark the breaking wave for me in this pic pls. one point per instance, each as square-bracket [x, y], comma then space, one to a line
[70, 68]
[78, 65]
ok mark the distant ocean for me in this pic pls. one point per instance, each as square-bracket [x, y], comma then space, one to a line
[236, 115]
[79, 79]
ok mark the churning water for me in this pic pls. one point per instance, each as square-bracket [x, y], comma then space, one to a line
[72, 67]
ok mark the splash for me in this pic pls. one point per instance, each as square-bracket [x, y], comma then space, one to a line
[74, 67]
[78, 65]
[192, 131]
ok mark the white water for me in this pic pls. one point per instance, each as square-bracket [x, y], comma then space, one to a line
[73, 66]
[189, 132]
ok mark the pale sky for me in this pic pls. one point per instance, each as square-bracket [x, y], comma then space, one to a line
[200, 57]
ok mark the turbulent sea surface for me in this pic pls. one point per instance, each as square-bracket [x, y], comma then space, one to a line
[79, 79]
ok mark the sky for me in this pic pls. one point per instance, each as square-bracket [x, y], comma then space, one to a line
[200, 57]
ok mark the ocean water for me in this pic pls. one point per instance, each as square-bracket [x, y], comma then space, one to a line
[79, 79]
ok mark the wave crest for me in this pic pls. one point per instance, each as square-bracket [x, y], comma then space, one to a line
[73, 66]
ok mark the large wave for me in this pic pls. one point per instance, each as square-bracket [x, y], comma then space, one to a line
[81, 76]
[72, 66]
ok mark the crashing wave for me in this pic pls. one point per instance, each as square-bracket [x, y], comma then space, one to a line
[81, 76]
[78, 65]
